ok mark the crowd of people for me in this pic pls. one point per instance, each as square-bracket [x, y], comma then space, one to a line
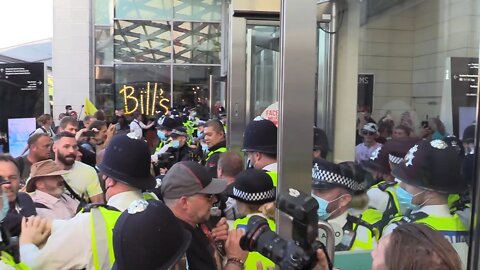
[167, 193]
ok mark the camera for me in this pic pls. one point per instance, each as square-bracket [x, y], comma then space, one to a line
[300, 253]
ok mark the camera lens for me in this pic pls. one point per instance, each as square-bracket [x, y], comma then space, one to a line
[261, 239]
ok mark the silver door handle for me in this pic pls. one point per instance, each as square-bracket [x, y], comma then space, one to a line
[330, 241]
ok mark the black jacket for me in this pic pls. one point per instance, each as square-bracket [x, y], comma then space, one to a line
[212, 160]
[26, 208]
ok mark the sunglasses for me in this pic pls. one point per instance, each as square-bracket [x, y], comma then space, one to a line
[210, 197]
[366, 132]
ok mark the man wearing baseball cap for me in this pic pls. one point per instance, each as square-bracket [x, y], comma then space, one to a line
[85, 241]
[47, 189]
[430, 172]
[189, 191]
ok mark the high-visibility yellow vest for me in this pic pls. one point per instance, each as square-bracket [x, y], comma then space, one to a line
[9, 260]
[366, 241]
[451, 227]
[253, 257]
[219, 150]
[274, 176]
[102, 221]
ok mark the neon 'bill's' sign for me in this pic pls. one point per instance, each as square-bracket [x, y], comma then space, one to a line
[148, 101]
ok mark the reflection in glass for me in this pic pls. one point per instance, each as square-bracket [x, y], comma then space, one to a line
[103, 12]
[142, 41]
[197, 43]
[191, 88]
[104, 94]
[264, 54]
[197, 10]
[144, 9]
[143, 88]
[103, 45]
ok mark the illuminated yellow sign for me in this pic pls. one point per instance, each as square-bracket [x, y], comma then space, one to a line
[146, 99]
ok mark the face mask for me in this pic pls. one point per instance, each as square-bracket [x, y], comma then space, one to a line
[204, 147]
[199, 134]
[404, 199]
[418, 206]
[161, 135]
[175, 144]
[323, 205]
[5, 207]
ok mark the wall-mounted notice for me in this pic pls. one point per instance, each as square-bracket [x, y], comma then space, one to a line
[464, 86]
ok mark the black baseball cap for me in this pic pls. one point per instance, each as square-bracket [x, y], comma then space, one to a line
[188, 178]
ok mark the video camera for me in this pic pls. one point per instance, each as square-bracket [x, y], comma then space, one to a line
[300, 253]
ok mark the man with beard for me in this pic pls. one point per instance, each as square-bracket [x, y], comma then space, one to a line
[81, 181]
[46, 186]
[39, 146]
[20, 204]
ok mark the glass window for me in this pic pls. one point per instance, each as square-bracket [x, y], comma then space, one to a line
[142, 41]
[103, 45]
[198, 10]
[104, 94]
[197, 43]
[143, 88]
[191, 88]
[144, 9]
[103, 12]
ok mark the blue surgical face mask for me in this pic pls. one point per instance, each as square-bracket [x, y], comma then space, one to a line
[322, 208]
[175, 144]
[161, 135]
[404, 199]
[199, 134]
[5, 207]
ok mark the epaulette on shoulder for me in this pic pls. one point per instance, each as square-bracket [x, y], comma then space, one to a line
[90, 206]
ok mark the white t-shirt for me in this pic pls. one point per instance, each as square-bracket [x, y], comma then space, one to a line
[83, 179]
[136, 128]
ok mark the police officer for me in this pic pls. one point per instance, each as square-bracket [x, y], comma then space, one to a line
[148, 236]
[164, 130]
[251, 190]
[431, 171]
[215, 139]
[387, 196]
[334, 186]
[260, 144]
[85, 241]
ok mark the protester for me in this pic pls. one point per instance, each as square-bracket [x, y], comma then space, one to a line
[39, 148]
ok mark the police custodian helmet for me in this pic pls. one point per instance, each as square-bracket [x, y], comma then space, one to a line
[260, 136]
[433, 165]
[128, 160]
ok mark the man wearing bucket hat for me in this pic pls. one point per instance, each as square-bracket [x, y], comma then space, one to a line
[429, 172]
[148, 236]
[189, 191]
[85, 241]
[260, 145]
[364, 150]
[47, 189]
[252, 189]
[334, 186]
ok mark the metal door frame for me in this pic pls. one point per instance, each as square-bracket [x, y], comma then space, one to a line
[238, 97]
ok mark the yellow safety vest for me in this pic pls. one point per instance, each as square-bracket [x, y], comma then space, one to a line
[274, 176]
[365, 242]
[451, 227]
[393, 208]
[253, 257]
[8, 260]
[219, 150]
[102, 221]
